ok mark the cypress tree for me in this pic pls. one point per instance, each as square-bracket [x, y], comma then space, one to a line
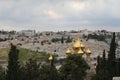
[111, 57]
[104, 55]
[62, 40]
[101, 62]
[102, 72]
[104, 61]
[98, 64]
[104, 64]
[13, 64]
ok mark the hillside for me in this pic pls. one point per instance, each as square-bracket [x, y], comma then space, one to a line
[24, 55]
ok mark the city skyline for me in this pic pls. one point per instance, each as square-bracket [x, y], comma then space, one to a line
[55, 15]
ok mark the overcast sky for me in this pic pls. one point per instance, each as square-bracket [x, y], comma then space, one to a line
[56, 15]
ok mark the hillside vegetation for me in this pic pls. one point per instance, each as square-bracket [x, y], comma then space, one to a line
[24, 54]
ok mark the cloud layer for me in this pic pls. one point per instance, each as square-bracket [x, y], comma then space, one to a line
[59, 14]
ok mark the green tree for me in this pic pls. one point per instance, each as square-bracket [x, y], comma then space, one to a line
[62, 40]
[106, 68]
[2, 73]
[74, 68]
[54, 40]
[22, 73]
[13, 64]
[32, 70]
[48, 72]
[98, 64]
[102, 62]
[69, 40]
[101, 75]
[102, 72]
[111, 56]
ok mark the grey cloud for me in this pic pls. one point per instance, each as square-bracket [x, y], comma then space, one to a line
[62, 13]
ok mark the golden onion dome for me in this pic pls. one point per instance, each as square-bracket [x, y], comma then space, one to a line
[50, 58]
[80, 52]
[68, 52]
[77, 45]
[88, 51]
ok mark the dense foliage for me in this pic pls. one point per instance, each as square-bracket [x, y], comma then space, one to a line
[2, 73]
[107, 68]
[74, 68]
[54, 40]
[13, 64]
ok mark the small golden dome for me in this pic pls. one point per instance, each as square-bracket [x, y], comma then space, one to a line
[68, 52]
[80, 52]
[82, 45]
[88, 51]
[77, 45]
[50, 58]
